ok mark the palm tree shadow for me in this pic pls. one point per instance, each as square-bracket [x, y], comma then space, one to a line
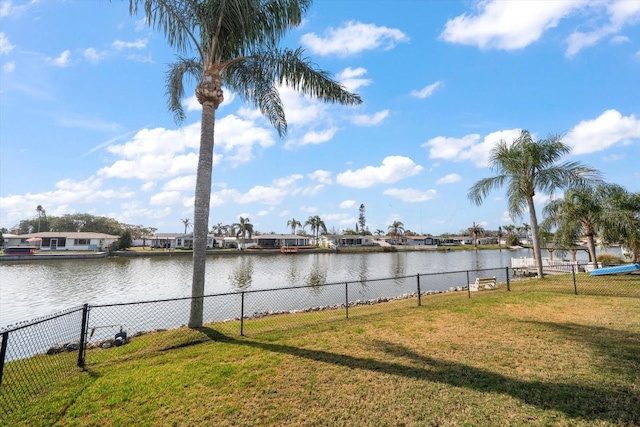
[618, 404]
[620, 350]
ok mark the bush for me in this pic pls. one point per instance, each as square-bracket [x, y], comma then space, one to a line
[609, 259]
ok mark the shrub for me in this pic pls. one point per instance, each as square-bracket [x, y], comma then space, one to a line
[609, 259]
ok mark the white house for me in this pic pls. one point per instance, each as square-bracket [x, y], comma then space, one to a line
[63, 240]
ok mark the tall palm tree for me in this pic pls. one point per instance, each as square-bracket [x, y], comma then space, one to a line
[588, 212]
[500, 234]
[317, 224]
[236, 45]
[527, 166]
[476, 231]
[244, 228]
[187, 224]
[40, 211]
[396, 229]
[219, 229]
[293, 223]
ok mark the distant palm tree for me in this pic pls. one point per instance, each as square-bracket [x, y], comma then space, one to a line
[187, 224]
[219, 229]
[316, 224]
[588, 212]
[499, 235]
[527, 166]
[379, 232]
[476, 230]
[396, 229]
[244, 228]
[235, 44]
[293, 223]
[40, 210]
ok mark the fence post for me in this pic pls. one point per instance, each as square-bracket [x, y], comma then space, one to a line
[242, 315]
[346, 301]
[83, 335]
[3, 352]
[468, 285]
[508, 283]
[419, 293]
[573, 273]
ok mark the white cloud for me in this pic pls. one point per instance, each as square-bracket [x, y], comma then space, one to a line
[352, 79]
[8, 8]
[392, 169]
[166, 198]
[411, 195]
[5, 45]
[269, 195]
[181, 183]
[620, 39]
[365, 120]
[9, 67]
[137, 44]
[449, 179]
[637, 56]
[426, 91]
[507, 25]
[620, 13]
[347, 204]
[603, 132]
[68, 192]
[322, 176]
[94, 56]
[352, 38]
[317, 137]
[62, 60]
[469, 147]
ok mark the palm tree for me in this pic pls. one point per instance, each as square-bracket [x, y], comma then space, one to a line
[527, 166]
[588, 212]
[187, 224]
[40, 210]
[629, 235]
[316, 224]
[219, 229]
[396, 229]
[379, 232]
[236, 45]
[244, 228]
[293, 223]
[499, 235]
[476, 230]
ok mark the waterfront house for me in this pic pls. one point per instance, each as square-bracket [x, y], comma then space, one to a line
[63, 240]
[271, 241]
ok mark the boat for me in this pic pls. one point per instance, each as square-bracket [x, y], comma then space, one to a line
[288, 250]
[20, 250]
[618, 269]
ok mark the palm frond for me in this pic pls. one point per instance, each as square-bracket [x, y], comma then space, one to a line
[178, 71]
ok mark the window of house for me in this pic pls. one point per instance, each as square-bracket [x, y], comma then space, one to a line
[79, 242]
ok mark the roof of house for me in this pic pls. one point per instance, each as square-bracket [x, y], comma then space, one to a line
[67, 234]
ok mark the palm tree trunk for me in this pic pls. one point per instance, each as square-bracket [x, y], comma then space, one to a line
[201, 213]
[591, 243]
[535, 236]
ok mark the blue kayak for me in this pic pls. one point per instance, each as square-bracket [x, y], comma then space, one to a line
[618, 269]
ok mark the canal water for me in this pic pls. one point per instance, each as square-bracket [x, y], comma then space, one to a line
[32, 289]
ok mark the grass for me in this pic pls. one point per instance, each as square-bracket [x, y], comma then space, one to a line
[518, 358]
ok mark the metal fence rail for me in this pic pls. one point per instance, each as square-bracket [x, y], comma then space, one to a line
[35, 355]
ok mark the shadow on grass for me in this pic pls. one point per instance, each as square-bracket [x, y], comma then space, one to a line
[620, 349]
[612, 403]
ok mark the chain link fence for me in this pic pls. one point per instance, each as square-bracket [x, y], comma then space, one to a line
[37, 354]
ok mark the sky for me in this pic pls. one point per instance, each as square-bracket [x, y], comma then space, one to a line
[84, 124]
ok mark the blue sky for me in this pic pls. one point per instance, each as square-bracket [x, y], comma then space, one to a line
[84, 126]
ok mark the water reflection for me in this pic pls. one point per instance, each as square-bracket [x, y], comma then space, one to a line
[242, 274]
[398, 264]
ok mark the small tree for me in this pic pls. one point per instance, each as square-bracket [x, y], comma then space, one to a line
[125, 241]
[361, 219]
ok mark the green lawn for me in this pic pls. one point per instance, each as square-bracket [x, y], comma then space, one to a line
[518, 358]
